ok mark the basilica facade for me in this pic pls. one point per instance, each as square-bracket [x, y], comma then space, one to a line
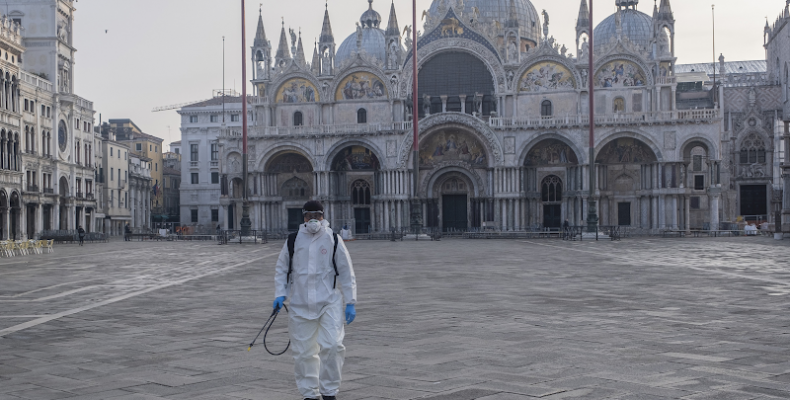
[503, 117]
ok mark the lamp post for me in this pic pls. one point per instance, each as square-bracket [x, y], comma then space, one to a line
[416, 207]
[592, 214]
[245, 223]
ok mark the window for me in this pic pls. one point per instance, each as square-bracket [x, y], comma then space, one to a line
[112, 174]
[234, 118]
[110, 151]
[214, 152]
[699, 182]
[752, 150]
[156, 149]
[551, 189]
[215, 178]
[361, 192]
[26, 105]
[193, 119]
[49, 112]
[156, 167]
[119, 154]
[194, 216]
[43, 110]
[138, 146]
[214, 118]
[694, 203]
[697, 163]
[195, 180]
[124, 155]
[362, 116]
[619, 105]
[546, 109]
[194, 152]
[178, 151]
[150, 148]
[214, 215]
[298, 118]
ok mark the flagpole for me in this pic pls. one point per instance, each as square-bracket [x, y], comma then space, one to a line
[245, 222]
[416, 207]
[592, 214]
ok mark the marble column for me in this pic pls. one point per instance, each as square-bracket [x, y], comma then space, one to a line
[714, 195]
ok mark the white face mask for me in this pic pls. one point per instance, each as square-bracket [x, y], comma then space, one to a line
[313, 226]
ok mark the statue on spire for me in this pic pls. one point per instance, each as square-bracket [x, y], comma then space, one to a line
[545, 24]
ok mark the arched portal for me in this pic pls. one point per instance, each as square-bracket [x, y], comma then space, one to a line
[354, 177]
[553, 184]
[287, 183]
[625, 166]
[453, 207]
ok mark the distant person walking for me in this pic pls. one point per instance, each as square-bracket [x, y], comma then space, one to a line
[81, 233]
[566, 228]
[315, 271]
[127, 233]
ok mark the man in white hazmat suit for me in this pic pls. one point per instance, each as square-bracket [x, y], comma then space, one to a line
[321, 280]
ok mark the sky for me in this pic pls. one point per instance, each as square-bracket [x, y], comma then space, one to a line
[133, 56]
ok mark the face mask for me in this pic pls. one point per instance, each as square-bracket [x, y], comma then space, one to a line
[313, 226]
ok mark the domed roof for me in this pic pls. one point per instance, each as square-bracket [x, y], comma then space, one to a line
[499, 10]
[637, 27]
[373, 42]
[370, 18]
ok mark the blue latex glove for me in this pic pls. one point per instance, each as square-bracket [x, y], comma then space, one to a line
[278, 303]
[351, 312]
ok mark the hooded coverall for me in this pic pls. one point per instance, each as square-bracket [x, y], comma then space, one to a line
[316, 310]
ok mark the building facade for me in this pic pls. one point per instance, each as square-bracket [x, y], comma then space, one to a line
[777, 45]
[503, 115]
[50, 183]
[114, 174]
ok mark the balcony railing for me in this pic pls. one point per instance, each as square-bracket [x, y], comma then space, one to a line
[193, 164]
[89, 196]
[80, 196]
[214, 164]
[32, 188]
[261, 131]
[49, 191]
[659, 117]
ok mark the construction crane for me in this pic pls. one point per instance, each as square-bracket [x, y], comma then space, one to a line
[217, 93]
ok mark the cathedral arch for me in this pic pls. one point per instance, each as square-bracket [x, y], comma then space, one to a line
[339, 150]
[698, 141]
[295, 189]
[622, 71]
[266, 159]
[360, 84]
[296, 89]
[534, 76]
[626, 150]
[288, 161]
[550, 139]
[643, 139]
[430, 125]
[458, 45]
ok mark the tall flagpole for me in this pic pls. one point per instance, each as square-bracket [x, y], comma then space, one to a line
[592, 214]
[713, 15]
[245, 207]
[416, 207]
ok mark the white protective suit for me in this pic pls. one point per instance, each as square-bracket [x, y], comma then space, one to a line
[316, 310]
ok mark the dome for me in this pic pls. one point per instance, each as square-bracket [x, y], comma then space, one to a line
[499, 10]
[373, 43]
[637, 27]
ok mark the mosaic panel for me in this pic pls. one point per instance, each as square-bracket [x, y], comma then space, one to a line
[361, 85]
[355, 158]
[546, 76]
[620, 73]
[551, 152]
[452, 145]
[297, 90]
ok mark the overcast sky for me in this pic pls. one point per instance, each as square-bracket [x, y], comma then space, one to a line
[136, 55]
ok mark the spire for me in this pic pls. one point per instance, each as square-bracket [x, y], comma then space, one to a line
[326, 29]
[283, 53]
[666, 8]
[299, 55]
[583, 22]
[392, 25]
[260, 35]
[316, 65]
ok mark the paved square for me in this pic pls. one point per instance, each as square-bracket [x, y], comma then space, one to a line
[456, 319]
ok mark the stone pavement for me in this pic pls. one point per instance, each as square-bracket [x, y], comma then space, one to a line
[452, 320]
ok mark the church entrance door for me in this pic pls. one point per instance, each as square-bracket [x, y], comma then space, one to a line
[552, 215]
[454, 213]
[362, 218]
[295, 218]
[624, 214]
[754, 201]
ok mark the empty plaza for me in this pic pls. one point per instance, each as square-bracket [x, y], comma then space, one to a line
[644, 318]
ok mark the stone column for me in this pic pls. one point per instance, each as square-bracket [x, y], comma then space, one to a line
[714, 194]
[444, 102]
[687, 210]
[463, 103]
[786, 181]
